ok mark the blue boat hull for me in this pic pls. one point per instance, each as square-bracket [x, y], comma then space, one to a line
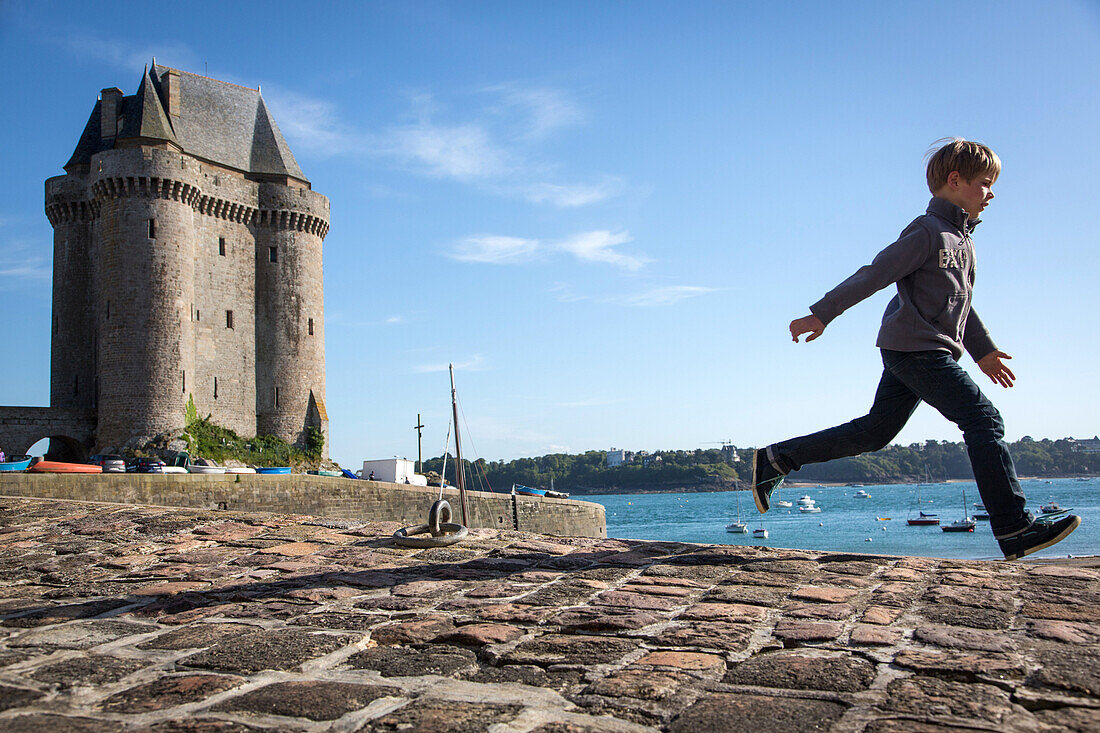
[22, 465]
[274, 470]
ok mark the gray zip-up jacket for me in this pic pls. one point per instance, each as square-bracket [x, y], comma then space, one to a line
[933, 265]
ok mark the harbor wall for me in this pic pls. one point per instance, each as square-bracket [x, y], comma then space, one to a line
[322, 496]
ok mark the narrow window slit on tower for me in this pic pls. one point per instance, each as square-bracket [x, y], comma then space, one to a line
[184, 381]
[310, 326]
[273, 254]
[229, 319]
[152, 229]
[221, 246]
[215, 388]
[276, 397]
[108, 310]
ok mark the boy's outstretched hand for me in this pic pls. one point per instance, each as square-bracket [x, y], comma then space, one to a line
[997, 370]
[809, 324]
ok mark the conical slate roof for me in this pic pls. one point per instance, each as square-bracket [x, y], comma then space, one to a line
[219, 122]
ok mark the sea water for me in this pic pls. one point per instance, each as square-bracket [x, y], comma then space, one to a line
[849, 524]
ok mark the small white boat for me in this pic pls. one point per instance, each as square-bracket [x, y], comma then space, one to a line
[738, 527]
[760, 533]
[173, 469]
[861, 494]
[806, 501]
[194, 468]
[240, 469]
[809, 509]
[779, 502]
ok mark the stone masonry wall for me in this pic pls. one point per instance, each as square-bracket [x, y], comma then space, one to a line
[145, 317]
[322, 496]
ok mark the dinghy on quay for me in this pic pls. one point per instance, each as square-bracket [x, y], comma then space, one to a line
[15, 463]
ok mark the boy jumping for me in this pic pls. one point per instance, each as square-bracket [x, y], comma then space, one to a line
[924, 331]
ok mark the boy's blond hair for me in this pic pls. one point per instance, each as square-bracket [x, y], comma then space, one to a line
[969, 158]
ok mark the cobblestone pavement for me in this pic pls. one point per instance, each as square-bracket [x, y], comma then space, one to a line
[125, 618]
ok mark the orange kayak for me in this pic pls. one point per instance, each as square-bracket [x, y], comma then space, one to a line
[59, 467]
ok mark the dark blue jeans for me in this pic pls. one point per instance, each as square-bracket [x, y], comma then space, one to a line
[908, 378]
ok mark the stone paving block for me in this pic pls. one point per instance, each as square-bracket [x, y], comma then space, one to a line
[713, 635]
[168, 692]
[793, 632]
[828, 611]
[596, 618]
[211, 725]
[950, 614]
[314, 699]
[732, 712]
[675, 591]
[80, 634]
[408, 662]
[750, 595]
[514, 613]
[875, 635]
[954, 637]
[978, 705]
[16, 697]
[686, 661]
[786, 567]
[962, 666]
[860, 568]
[345, 621]
[824, 595]
[642, 684]
[70, 612]
[559, 680]
[560, 594]
[281, 649]
[571, 649]
[49, 722]
[1069, 632]
[92, 670]
[1068, 668]
[804, 670]
[434, 716]
[895, 594]
[1061, 611]
[478, 635]
[1076, 720]
[880, 615]
[642, 601]
[728, 612]
[987, 599]
[413, 631]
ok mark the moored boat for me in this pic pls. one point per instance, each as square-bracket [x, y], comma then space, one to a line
[760, 533]
[780, 502]
[527, 490]
[15, 463]
[62, 467]
[240, 469]
[272, 470]
[195, 468]
[923, 519]
[861, 494]
[738, 527]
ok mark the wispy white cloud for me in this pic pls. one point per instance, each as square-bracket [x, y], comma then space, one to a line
[36, 269]
[129, 56]
[540, 110]
[563, 292]
[667, 295]
[393, 320]
[475, 364]
[599, 246]
[465, 152]
[312, 123]
[572, 195]
[496, 250]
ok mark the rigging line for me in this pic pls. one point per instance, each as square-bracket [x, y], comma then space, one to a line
[483, 478]
[443, 471]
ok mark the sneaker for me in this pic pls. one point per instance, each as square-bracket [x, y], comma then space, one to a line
[765, 479]
[1042, 533]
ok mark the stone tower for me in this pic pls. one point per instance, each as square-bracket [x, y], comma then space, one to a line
[187, 262]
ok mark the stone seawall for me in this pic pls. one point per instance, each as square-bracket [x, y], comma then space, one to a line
[321, 496]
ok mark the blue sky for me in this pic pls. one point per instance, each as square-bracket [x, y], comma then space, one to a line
[606, 213]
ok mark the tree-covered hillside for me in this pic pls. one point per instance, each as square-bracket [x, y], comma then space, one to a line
[713, 469]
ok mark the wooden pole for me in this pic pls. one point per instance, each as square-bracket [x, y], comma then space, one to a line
[460, 473]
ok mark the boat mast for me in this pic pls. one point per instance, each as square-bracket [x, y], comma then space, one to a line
[460, 472]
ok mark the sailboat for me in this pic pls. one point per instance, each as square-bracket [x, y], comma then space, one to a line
[738, 527]
[966, 524]
[923, 518]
